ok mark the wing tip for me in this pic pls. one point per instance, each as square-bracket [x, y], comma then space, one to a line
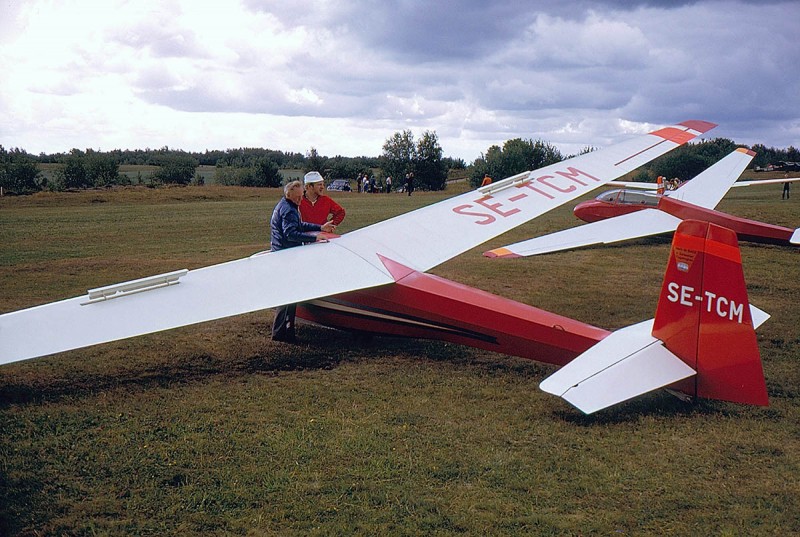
[698, 125]
[504, 253]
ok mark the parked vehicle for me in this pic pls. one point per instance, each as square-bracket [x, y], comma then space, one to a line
[341, 185]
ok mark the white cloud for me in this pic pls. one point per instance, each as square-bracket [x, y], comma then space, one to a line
[342, 76]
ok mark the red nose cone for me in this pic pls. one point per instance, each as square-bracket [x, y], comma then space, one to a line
[587, 211]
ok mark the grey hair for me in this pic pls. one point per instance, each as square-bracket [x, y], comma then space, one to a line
[290, 185]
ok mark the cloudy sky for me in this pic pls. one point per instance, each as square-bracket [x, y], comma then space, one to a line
[343, 75]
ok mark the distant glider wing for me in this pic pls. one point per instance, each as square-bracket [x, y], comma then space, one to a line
[766, 182]
[709, 187]
[638, 185]
[705, 190]
[642, 223]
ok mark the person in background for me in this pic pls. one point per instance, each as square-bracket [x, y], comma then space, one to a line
[410, 182]
[288, 231]
[486, 180]
[388, 184]
[785, 194]
[315, 206]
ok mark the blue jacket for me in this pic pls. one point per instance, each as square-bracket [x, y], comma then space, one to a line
[287, 228]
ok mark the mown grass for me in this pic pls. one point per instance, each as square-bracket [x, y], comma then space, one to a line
[216, 430]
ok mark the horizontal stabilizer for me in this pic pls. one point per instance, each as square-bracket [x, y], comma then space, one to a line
[758, 315]
[627, 363]
[795, 237]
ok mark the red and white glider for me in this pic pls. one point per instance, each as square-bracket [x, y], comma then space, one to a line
[620, 215]
[384, 289]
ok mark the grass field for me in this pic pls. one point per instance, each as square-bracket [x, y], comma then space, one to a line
[216, 430]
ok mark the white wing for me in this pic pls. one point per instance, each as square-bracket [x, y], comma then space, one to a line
[419, 240]
[766, 181]
[635, 185]
[642, 223]
[233, 288]
[710, 186]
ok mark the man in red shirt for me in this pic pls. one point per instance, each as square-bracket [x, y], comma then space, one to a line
[316, 207]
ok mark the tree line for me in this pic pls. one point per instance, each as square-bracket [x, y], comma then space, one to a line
[21, 172]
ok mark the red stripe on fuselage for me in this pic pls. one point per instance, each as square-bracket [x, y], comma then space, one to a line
[748, 230]
[426, 306]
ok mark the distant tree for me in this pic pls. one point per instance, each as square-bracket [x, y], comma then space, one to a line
[430, 169]
[455, 163]
[19, 172]
[516, 156]
[72, 173]
[265, 173]
[688, 160]
[102, 169]
[176, 167]
[399, 154]
[314, 162]
[227, 175]
[684, 165]
[340, 167]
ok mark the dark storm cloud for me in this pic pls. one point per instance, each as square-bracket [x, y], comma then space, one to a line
[578, 73]
[646, 61]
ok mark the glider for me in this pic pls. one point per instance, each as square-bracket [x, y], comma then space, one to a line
[620, 215]
[384, 289]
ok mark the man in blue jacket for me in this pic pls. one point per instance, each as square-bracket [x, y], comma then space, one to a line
[288, 231]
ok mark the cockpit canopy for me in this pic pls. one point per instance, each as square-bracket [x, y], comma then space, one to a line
[629, 197]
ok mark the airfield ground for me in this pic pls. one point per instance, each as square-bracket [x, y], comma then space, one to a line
[215, 430]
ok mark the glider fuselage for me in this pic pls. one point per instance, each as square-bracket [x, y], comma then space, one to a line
[619, 202]
[420, 305]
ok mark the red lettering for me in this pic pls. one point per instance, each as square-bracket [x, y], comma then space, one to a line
[462, 209]
[495, 207]
[529, 185]
[573, 173]
[543, 180]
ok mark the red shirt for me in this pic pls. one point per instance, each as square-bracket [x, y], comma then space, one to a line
[318, 212]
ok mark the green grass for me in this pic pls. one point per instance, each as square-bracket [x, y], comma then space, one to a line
[216, 430]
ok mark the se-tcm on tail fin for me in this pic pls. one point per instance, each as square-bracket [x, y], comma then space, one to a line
[702, 341]
[705, 319]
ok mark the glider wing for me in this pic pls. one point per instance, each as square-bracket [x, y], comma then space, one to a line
[419, 240]
[709, 187]
[642, 223]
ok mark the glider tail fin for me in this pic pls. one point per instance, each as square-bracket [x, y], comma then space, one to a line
[704, 316]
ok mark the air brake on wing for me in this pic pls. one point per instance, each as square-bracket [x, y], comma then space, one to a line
[505, 183]
[134, 286]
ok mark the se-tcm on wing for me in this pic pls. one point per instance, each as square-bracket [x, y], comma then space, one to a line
[418, 240]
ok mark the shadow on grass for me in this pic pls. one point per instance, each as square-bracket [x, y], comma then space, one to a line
[317, 349]
[659, 405]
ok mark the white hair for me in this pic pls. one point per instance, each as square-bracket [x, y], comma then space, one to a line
[290, 185]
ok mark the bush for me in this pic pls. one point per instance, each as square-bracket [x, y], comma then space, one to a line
[19, 172]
